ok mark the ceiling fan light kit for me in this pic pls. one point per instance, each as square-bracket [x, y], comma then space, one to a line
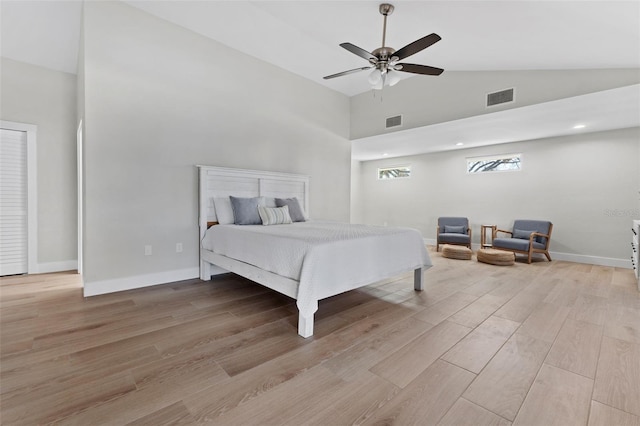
[383, 61]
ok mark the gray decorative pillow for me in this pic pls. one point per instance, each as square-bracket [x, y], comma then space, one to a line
[245, 210]
[295, 210]
[523, 235]
[450, 229]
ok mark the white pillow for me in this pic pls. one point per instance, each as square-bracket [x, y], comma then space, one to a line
[274, 215]
[224, 211]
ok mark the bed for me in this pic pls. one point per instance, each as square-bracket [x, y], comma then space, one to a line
[308, 260]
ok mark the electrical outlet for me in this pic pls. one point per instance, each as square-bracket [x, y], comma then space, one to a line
[178, 247]
[147, 250]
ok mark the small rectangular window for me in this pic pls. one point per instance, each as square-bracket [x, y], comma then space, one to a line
[394, 172]
[497, 163]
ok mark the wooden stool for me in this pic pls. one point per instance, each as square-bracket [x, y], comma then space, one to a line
[496, 257]
[456, 252]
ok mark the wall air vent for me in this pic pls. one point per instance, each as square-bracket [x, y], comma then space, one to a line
[393, 122]
[501, 97]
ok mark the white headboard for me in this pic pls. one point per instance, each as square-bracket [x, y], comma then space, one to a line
[221, 181]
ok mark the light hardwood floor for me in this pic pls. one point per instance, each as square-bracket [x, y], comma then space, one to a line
[551, 343]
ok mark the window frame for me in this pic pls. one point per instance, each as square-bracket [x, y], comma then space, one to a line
[488, 158]
[405, 168]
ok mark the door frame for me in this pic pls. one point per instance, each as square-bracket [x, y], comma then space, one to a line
[32, 190]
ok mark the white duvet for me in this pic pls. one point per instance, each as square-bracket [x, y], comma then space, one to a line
[326, 258]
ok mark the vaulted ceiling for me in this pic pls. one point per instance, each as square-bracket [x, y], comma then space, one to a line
[304, 36]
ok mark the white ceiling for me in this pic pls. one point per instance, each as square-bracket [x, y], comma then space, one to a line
[303, 37]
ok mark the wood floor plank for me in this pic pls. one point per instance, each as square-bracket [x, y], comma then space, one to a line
[466, 413]
[577, 348]
[557, 398]
[174, 414]
[617, 381]
[292, 398]
[210, 403]
[478, 347]
[419, 353]
[442, 310]
[340, 408]
[369, 352]
[589, 308]
[545, 321]
[419, 403]
[478, 311]
[170, 388]
[603, 415]
[54, 407]
[622, 323]
[503, 384]
[520, 307]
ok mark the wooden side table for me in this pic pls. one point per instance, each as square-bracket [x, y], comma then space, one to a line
[484, 242]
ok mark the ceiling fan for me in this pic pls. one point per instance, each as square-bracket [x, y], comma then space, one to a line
[384, 60]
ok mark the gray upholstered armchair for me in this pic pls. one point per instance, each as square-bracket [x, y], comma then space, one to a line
[527, 237]
[453, 230]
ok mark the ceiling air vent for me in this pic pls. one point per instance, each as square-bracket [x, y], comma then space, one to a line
[501, 97]
[393, 122]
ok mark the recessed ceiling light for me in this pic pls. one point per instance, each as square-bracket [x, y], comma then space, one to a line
[459, 144]
[385, 154]
[579, 126]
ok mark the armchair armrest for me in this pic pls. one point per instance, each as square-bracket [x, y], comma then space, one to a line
[495, 232]
[539, 234]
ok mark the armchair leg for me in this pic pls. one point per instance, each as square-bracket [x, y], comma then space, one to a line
[529, 258]
[546, 253]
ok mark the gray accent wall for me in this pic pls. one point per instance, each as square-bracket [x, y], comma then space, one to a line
[159, 99]
[586, 184]
[47, 99]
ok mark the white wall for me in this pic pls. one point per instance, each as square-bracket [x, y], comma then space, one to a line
[424, 100]
[160, 99]
[47, 98]
[587, 185]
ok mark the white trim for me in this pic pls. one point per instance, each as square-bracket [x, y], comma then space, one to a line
[592, 260]
[80, 198]
[32, 190]
[66, 265]
[138, 281]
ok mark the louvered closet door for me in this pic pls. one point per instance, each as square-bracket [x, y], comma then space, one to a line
[13, 202]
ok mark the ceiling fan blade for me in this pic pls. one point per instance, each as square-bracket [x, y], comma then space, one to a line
[340, 74]
[420, 69]
[359, 51]
[417, 46]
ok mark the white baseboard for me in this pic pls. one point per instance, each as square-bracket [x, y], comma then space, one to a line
[569, 257]
[66, 265]
[138, 281]
[592, 260]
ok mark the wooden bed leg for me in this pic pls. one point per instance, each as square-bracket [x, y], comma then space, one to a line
[417, 279]
[305, 326]
[305, 323]
[205, 270]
